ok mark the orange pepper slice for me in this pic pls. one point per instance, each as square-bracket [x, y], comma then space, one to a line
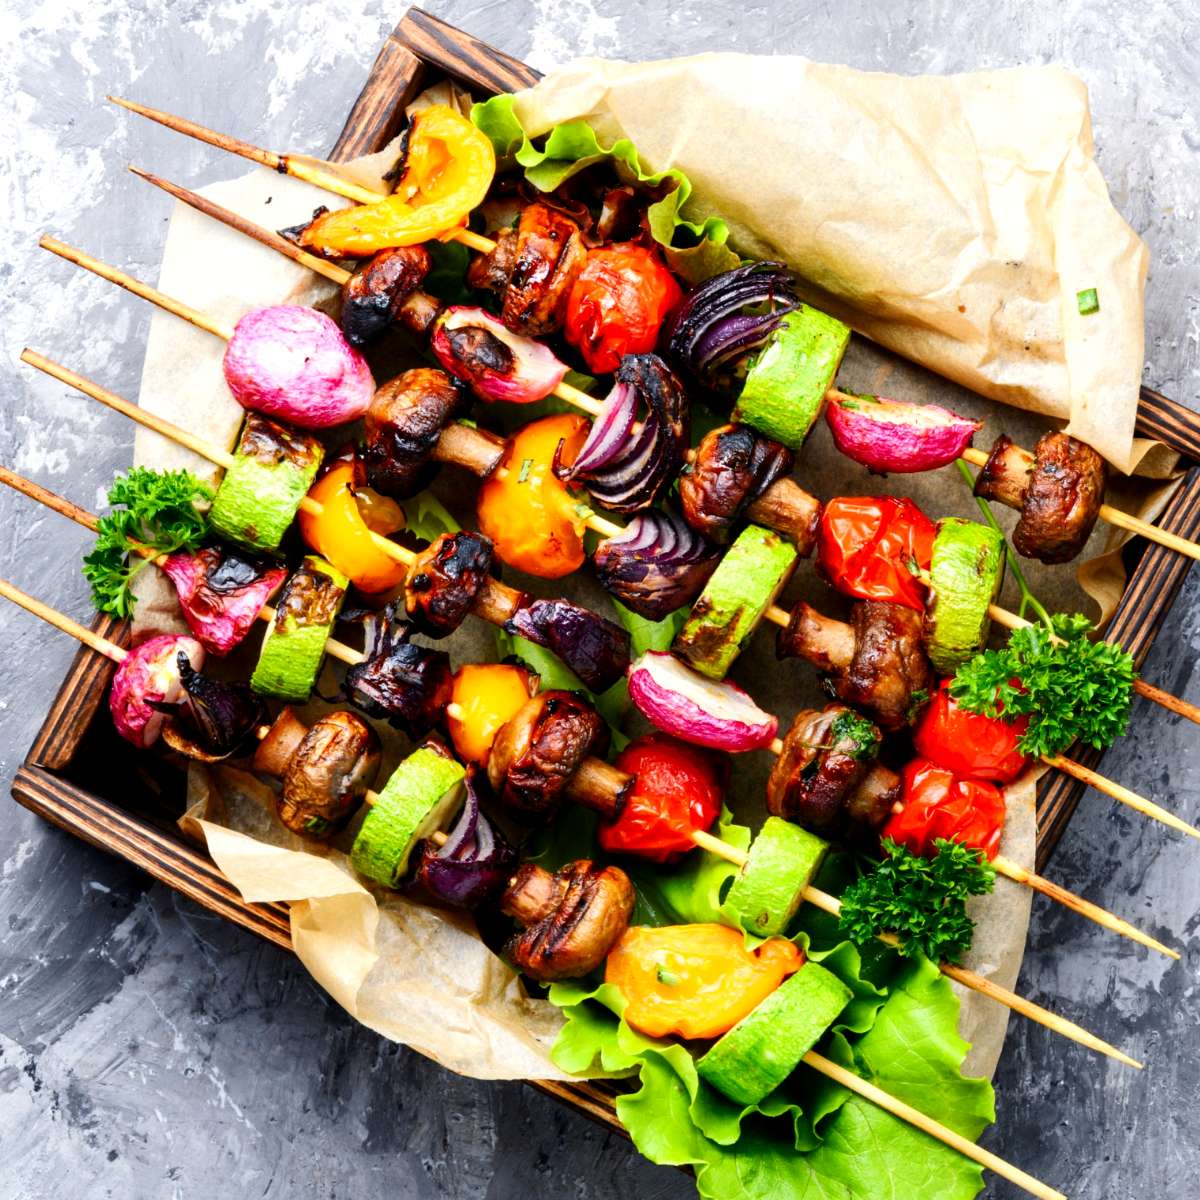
[447, 173]
[697, 981]
[488, 695]
[531, 518]
[341, 533]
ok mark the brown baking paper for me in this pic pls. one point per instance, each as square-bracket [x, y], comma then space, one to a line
[420, 975]
[952, 219]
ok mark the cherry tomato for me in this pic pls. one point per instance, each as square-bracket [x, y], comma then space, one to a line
[342, 532]
[969, 744]
[488, 695]
[938, 804]
[874, 546]
[531, 518]
[678, 790]
[618, 303]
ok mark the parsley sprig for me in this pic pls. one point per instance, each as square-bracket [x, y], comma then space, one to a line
[157, 510]
[920, 900]
[1071, 687]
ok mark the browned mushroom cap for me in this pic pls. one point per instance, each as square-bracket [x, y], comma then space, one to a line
[489, 272]
[825, 756]
[403, 425]
[549, 255]
[536, 753]
[869, 805]
[573, 917]
[330, 771]
[373, 297]
[731, 466]
[1062, 501]
[889, 676]
[444, 580]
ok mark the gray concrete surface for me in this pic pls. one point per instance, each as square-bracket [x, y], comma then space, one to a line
[147, 1049]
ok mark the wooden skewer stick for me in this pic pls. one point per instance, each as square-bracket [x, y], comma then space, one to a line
[285, 164]
[81, 516]
[1010, 620]
[81, 633]
[1148, 808]
[214, 326]
[1114, 516]
[332, 183]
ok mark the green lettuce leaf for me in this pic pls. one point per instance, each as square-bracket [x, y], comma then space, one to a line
[426, 517]
[695, 250]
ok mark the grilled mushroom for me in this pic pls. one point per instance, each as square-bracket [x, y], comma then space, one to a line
[535, 755]
[403, 426]
[445, 579]
[572, 918]
[534, 266]
[1059, 490]
[877, 663]
[731, 467]
[328, 774]
[374, 296]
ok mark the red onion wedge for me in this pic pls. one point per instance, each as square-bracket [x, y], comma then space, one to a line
[221, 593]
[214, 718]
[681, 702]
[148, 679]
[894, 436]
[475, 861]
[594, 648]
[624, 473]
[656, 565]
[494, 362]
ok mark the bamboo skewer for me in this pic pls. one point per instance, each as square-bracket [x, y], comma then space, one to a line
[967, 978]
[572, 395]
[341, 187]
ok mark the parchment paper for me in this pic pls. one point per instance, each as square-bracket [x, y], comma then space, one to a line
[952, 219]
[419, 975]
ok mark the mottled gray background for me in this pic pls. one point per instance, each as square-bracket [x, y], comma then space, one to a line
[148, 1049]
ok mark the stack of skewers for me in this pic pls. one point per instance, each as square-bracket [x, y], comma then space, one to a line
[714, 532]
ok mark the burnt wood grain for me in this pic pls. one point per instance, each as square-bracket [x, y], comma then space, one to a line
[62, 779]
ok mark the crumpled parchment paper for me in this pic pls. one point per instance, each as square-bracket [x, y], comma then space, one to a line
[902, 200]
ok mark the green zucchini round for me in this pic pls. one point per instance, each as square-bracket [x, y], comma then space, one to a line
[294, 647]
[767, 1044]
[423, 794]
[965, 575]
[273, 467]
[785, 389]
[734, 600]
[767, 891]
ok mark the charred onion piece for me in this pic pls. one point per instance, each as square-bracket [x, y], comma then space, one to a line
[710, 332]
[877, 664]
[214, 719]
[656, 565]
[445, 579]
[473, 863]
[732, 467]
[403, 425]
[221, 593]
[572, 918]
[374, 297]
[626, 474]
[406, 684]
[330, 772]
[594, 648]
[1059, 491]
[535, 754]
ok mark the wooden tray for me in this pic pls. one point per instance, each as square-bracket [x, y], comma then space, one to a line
[70, 774]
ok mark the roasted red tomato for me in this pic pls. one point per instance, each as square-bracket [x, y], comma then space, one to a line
[618, 304]
[678, 791]
[938, 804]
[969, 744]
[873, 547]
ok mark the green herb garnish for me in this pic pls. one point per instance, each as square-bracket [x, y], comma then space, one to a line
[667, 978]
[1072, 688]
[526, 465]
[864, 736]
[916, 702]
[1088, 301]
[920, 900]
[154, 511]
